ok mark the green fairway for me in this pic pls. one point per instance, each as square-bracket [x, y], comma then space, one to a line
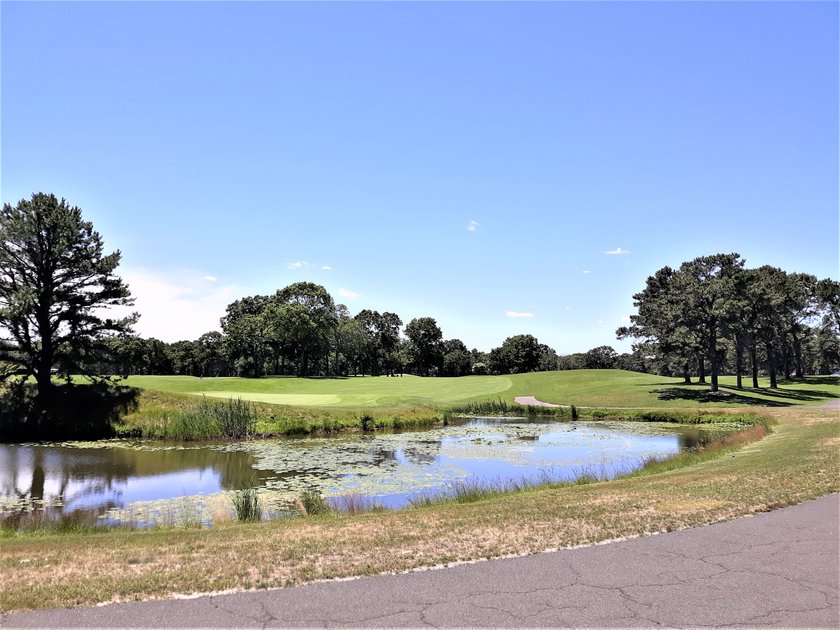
[584, 388]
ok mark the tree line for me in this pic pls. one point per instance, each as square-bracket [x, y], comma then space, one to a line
[713, 315]
[301, 331]
[710, 316]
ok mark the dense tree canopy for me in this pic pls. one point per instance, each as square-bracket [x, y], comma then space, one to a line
[712, 311]
[425, 347]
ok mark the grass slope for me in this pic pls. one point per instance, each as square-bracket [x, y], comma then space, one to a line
[588, 388]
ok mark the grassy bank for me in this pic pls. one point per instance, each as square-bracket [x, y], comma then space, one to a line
[164, 415]
[583, 388]
[797, 461]
[503, 408]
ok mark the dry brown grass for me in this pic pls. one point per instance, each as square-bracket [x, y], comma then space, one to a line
[797, 462]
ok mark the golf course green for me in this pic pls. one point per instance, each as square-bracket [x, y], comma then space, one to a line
[583, 388]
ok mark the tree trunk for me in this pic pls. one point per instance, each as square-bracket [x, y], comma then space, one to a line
[701, 369]
[714, 362]
[797, 355]
[786, 358]
[754, 363]
[686, 374]
[771, 365]
[739, 361]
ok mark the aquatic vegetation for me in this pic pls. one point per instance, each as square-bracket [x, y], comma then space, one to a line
[311, 503]
[352, 473]
[247, 505]
[207, 420]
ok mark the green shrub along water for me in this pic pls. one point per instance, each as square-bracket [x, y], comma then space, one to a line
[231, 419]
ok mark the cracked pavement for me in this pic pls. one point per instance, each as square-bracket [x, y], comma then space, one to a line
[776, 569]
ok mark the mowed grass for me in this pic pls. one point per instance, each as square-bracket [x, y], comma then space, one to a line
[798, 461]
[583, 388]
[379, 391]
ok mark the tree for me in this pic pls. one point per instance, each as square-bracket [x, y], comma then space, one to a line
[306, 316]
[690, 311]
[426, 344]
[55, 281]
[244, 341]
[548, 359]
[601, 358]
[517, 354]
[456, 358]
[381, 340]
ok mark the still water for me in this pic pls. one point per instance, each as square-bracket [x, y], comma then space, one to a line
[151, 482]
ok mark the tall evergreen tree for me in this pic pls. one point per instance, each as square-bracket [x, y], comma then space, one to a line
[55, 282]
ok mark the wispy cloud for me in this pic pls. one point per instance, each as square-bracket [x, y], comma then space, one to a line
[177, 304]
[625, 319]
[616, 252]
[585, 271]
[347, 293]
[326, 268]
[518, 314]
[472, 226]
[298, 264]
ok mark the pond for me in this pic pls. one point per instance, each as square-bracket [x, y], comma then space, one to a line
[150, 482]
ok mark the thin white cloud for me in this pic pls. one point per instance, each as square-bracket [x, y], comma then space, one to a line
[472, 226]
[616, 252]
[298, 264]
[347, 293]
[585, 271]
[625, 319]
[176, 305]
[518, 314]
[326, 268]
[568, 308]
[211, 278]
[600, 321]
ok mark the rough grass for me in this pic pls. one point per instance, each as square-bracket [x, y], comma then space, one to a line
[797, 461]
[583, 388]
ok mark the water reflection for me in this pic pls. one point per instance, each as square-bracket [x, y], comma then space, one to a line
[98, 478]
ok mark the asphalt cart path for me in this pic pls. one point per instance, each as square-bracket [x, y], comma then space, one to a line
[778, 568]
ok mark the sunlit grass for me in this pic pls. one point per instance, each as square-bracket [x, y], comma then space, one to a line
[583, 388]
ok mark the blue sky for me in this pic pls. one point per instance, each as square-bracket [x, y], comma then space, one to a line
[466, 161]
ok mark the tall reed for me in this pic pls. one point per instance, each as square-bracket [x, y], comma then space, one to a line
[247, 505]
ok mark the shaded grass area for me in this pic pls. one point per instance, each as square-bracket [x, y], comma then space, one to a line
[74, 411]
[618, 388]
[797, 461]
[583, 388]
[808, 390]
